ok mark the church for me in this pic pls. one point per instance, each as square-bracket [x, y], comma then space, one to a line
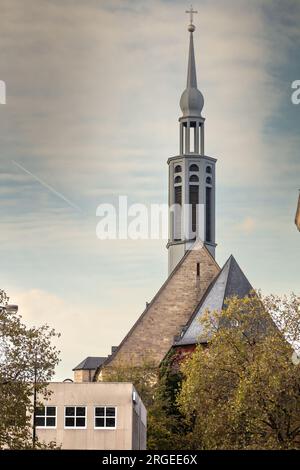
[195, 282]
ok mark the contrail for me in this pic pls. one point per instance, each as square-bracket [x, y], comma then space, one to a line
[61, 196]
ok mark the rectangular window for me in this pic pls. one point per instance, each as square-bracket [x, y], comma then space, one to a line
[177, 212]
[105, 417]
[194, 201]
[45, 417]
[75, 417]
[208, 215]
[178, 195]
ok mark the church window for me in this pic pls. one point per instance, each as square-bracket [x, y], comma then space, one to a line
[75, 417]
[178, 194]
[208, 215]
[198, 269]
[194, 179]
[208, 169]
[105, 417]
[177, 180]
[45, 417]
[208, 180]
[177, 169]
[194, 200]
[194, 167]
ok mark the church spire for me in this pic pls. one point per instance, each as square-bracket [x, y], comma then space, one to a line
[191, 173]
[191, 76]
[192, 100]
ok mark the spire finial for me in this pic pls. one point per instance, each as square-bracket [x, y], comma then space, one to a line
[191, 12]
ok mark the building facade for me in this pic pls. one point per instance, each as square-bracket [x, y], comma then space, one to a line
[93, 416]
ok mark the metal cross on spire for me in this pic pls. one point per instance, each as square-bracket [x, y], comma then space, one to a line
[191, 13]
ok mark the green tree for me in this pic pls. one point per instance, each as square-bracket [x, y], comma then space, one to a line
[243, 391]
[27, 355]
[157, 387]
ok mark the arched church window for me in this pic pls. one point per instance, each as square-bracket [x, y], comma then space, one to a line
[208, 169]
[177, 169]
[194, 179]
[208, 180]
[194, 167]
[177, 180]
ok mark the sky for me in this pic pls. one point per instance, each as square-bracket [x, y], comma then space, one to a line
[92, 108]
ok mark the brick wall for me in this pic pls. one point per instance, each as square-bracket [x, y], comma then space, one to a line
[152, 335]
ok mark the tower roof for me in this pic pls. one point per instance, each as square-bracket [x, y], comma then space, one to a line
[192, 101]
[230, 281]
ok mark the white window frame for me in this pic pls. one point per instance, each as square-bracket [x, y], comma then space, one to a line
[45, 417]
[75, 416]
[99, 428]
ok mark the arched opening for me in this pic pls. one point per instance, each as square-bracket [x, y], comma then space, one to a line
[208, 169]
[177, 169]
[208, 180]
[177, 180]
[194, 179]
[194, 167]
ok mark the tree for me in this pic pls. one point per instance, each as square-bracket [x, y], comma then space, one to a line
[243, 391]
[27, 363]
[157, 386]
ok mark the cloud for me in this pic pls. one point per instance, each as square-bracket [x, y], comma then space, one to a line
[247, 226]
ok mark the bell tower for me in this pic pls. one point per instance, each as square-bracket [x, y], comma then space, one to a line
[191, 174]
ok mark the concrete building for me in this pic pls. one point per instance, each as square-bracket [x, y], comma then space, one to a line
[93, 415]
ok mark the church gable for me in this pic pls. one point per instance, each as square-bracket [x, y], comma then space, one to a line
[153, 334]
[231, 281]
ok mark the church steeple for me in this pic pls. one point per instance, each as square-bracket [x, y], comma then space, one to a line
[191, 173]
[192, 100]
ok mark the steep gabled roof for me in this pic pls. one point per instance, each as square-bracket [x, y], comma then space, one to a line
[191, 257]
[230, 281]
[90, 363]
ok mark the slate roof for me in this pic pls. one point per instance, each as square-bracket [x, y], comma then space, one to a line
[90, 363]
[230, 281]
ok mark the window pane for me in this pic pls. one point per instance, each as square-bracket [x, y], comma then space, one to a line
[70, 422]
[110, 411]
[40, 411]
[110, 422]
[50, 410]
[80, 422]
[50, 421]
[70, 411]
[99, 411]
[39, 421]
[99, 423]
[80, 411]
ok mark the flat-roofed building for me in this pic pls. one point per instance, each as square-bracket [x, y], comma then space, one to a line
[93, 415]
